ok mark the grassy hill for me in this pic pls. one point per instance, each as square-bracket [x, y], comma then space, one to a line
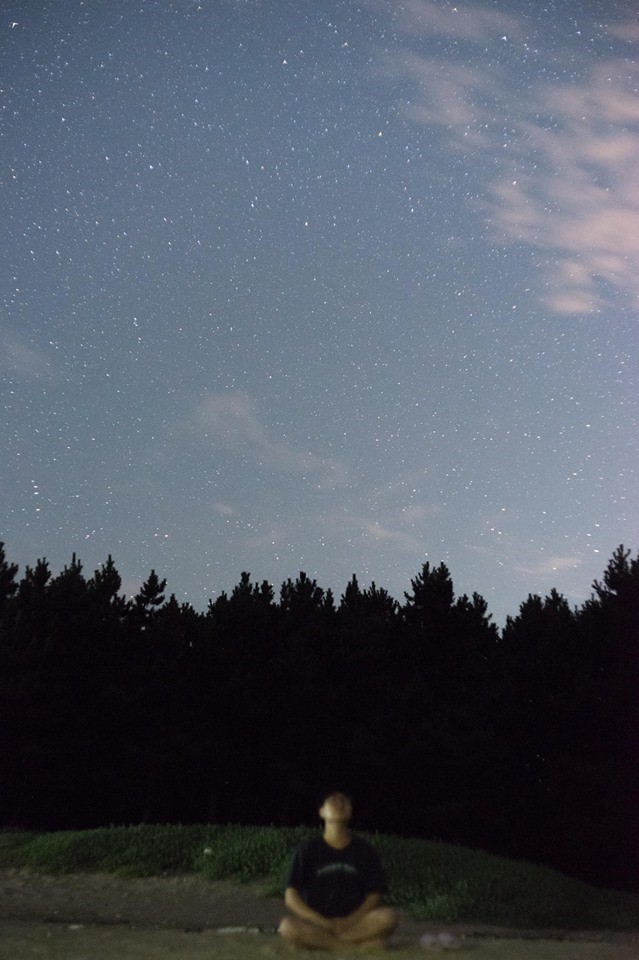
[432, 881]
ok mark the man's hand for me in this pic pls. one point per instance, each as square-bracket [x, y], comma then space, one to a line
[339, 924]
[336, 926]
[301, 909]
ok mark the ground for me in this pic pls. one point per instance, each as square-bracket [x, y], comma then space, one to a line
[103, 917]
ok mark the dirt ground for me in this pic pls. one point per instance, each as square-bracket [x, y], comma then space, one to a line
[103, 917]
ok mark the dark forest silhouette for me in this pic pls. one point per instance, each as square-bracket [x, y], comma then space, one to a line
[523, 742]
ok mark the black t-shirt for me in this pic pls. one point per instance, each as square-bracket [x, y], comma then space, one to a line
[336, 882]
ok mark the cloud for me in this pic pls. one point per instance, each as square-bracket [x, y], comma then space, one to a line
[567, 156]
[230, 417]
[449, 96]
[395, 528]
[419, 512]
[582, 205]
[224, 509]
[19, 360]
[468, 21]
[274, 534]
[231, 420]
[628, 31]
[375, 531]
[542, 566]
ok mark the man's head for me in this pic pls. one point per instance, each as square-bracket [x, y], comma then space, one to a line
[336, 807]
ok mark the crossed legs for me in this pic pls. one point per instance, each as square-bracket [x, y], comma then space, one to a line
[370, 930]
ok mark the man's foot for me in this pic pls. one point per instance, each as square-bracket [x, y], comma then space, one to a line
[301, 933]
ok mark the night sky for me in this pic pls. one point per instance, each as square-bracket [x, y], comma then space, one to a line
[323, 285]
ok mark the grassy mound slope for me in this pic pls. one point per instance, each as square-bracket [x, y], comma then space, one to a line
[433, 881]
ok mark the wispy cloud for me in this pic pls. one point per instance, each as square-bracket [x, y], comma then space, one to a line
[275, 534]
[467, 21]
[376, 531]
[224, 509]
[582, 206]
[541, 566]
[22, 361]
[231, 420]
[567, 184]
[535, 565]
[628, 30]
[449, 96]
[407, 529]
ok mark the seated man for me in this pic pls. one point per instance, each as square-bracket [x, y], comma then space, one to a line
[335, 886]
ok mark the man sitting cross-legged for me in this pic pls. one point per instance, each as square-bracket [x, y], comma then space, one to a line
[335, 886]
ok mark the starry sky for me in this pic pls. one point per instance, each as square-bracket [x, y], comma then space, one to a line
[338, 286]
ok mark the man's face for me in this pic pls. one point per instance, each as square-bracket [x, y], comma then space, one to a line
[336, 807]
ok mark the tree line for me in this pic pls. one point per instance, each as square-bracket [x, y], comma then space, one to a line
[523, 742]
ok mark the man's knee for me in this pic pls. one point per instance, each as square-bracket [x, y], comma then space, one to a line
[293, 930]
[288, 929]
[386, 919]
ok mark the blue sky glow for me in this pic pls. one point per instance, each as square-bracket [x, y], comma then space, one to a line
[338, 287]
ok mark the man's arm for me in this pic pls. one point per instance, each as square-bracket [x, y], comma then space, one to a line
[301, 909]
[343, 923]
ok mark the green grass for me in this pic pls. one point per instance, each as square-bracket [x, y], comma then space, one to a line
[432, 881]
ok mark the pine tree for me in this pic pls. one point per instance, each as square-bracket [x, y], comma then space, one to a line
[8, 572]
[150, 596]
